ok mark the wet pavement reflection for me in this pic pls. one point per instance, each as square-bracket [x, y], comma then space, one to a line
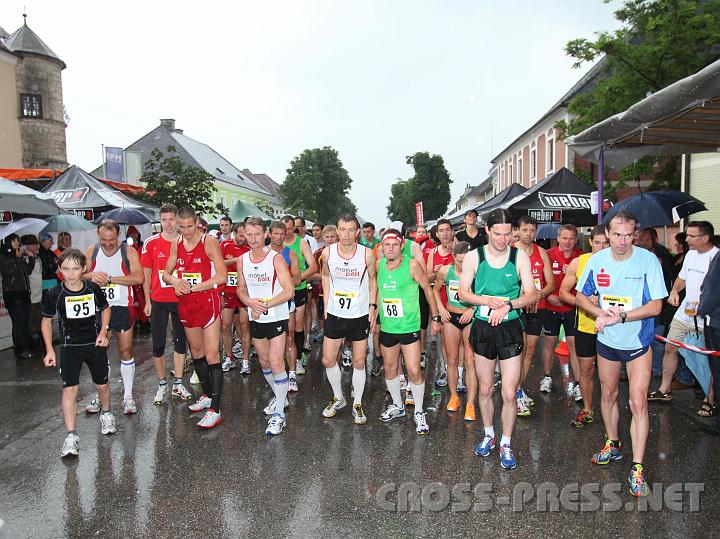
[160, 476]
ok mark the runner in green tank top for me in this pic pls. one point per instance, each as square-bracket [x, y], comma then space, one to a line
[399, 281]
[490, 280]
[456, 316]
[308, 267]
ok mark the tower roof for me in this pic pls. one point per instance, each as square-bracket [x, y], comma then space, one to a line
[25, 40]
[3, 33]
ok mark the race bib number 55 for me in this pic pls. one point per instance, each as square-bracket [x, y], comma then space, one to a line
[193, 279]
[80, 306]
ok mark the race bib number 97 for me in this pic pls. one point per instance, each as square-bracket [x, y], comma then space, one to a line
[344, 299]
[393, 308]
[80, 306]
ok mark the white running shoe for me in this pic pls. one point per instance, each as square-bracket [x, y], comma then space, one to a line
[70, 446]
[237, 349]
[423, 360]
[228, 364]
[346, 357]
[546, 384]
[210, 419]
[529, 401]
[160, 395]
[523, 410]
[333, 406]
[307, 341]
[107, 423]
[129, 407]
[93, 407]
[203, 403]
[270, 408]
[403, 382]
[299, 368]
[245, 367]
[421, 426]
[292, 385]
[409, 400]
[392, 412]
[194, 379]
[275, 425]
[441, 380]
[577, 393]
[181, 391]
[359, 416]
[570, 389]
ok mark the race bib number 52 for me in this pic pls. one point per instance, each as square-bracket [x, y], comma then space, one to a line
[80, 306]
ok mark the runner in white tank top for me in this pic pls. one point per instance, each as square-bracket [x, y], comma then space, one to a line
[261, 280]
[350, 290]
[117, 295]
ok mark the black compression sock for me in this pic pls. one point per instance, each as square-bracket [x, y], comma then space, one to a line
[216, 383]
[201, 368]
[300, 341]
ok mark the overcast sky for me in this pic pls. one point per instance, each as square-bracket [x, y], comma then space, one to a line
[260, 81]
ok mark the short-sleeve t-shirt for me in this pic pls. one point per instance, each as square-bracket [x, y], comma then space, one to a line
[154, 256]
[629, 284]
[557, 261]
[694, 268]
[78, 312]
[474, 242]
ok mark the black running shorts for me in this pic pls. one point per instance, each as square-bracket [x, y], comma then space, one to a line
[72, 359]
[503, 341]
[350, 329]
[268, 330]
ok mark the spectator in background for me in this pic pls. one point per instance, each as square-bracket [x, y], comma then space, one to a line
[49, 262]
[471, 233]
[225, 228]
[317, 232]
[138, 309]
[16, 292]
[64, 242]
[35, 279]
[681, 247]
[367, 238]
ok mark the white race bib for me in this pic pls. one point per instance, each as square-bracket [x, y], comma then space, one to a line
[193, 279]
[232, 278]
[537, 282]
[80, 306]
[454, 291]
[343, 300]
[485, 310]
[110, 291]
[624, 302]
[163, 284]
[393, 308]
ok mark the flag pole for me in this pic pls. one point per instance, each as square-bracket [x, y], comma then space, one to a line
[601, 166]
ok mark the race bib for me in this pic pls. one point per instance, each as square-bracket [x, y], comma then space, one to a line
[193, 279]
[537, 282]
[80, 306]
[344, 299]
[624, 302]
[163, 284]
[110, 291]
[454, 291]
[232, 278]
[393, 308]
[485, 310]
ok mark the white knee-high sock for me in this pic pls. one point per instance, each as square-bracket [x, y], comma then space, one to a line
[394, 389]
[281, 390]
[418, 391]
[127, 371]
[358, 383]
[269, 379]
[334, 377]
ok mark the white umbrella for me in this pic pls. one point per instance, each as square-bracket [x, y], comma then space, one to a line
[20, 199]
[28, 225]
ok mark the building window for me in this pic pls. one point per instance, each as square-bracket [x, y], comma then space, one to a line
[510, 172]
[31, 105]
[550, 155]
[223, 201]
[533, 162]
[520, 169]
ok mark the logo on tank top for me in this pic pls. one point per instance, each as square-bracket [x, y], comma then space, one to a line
[181, 262]
[197, 260]
[259, 278]
[603, 279]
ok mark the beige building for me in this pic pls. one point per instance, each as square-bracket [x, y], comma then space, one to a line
[32, 114]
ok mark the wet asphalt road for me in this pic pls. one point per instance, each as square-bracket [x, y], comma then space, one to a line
[160, 476]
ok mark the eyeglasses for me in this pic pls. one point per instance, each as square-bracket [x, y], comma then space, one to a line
[694, 235]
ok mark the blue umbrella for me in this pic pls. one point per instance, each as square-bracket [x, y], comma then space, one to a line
[698, 363]
[125, 216]
[658, 208]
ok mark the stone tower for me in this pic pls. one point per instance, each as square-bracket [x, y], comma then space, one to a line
[40, 100]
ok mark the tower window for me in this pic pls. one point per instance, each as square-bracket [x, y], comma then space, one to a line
[31, 105]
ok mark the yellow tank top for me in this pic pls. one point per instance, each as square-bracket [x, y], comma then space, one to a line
[585, 323]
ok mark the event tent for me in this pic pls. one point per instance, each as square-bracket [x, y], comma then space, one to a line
[19, 199]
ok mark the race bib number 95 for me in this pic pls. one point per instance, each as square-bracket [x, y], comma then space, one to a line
[80, 306]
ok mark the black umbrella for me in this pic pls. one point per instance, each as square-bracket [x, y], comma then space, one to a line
[125, 216]
[658, 208]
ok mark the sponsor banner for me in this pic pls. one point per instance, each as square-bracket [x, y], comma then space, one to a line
[65, 197]
[419, 218]
[114, 165]
[6, 217]
[88, 215]
[546, 216]
[565, 201]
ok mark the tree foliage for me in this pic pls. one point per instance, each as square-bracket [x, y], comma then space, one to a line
[170, 181]
[430, 185]
[318, 184]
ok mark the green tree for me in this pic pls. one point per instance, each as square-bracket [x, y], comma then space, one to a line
[430, 185]
[318, 184]
[168, 180]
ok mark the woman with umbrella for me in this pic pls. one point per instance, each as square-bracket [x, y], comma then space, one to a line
[16, 292]
[133, 238]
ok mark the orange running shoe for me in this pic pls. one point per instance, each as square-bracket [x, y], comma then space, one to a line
[453, 404]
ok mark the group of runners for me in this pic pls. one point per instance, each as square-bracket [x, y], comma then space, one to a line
[491, 304]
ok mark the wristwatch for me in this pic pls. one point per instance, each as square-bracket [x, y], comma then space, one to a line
[623, 316]
[437, 318]
[509, 304]
[373, 305]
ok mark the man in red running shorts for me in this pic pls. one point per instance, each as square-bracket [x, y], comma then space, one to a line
[234, 312]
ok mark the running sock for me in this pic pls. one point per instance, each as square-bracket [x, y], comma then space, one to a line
[460, 372]
[267, 373]
[281, 389]
[201, 369]
[505, 440]
[490, 431]
[334, 375]
[162, 382]
[394, 389]
[71, 432]
[300, 342]
[358, 382]
[418, 393]
[127, 372]
[216, 383]
[177, 381]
